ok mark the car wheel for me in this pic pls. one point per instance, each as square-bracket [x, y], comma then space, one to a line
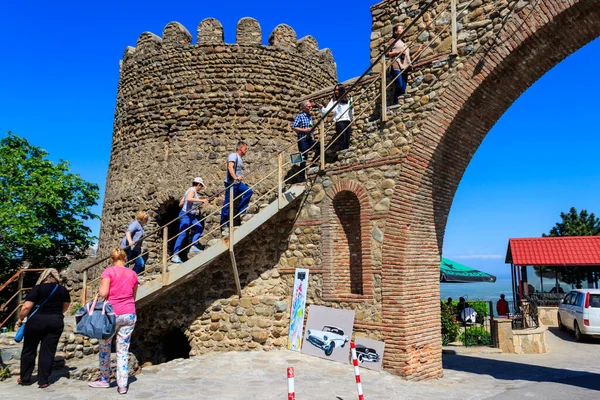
[329, 349]
[578, 334]
[560, 324]
[360, 358]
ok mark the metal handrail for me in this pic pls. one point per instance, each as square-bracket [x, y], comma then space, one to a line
[281, 151]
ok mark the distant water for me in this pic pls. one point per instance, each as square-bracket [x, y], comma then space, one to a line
[478, 291]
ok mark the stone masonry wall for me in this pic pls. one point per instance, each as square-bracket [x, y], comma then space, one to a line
[402, 174]
[181, 108]
[430, 138]
[213, 318]
[452, 102]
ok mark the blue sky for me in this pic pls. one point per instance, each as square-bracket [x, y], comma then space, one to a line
[59, 75]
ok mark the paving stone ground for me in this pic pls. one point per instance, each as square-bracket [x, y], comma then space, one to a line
[570, 370]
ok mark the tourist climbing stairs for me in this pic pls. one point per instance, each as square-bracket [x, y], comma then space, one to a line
[177, 273]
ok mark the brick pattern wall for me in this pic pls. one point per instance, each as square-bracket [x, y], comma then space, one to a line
[478, 89]
[347, 243]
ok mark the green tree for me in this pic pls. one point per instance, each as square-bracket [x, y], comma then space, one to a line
[574, 224]
[43, 208]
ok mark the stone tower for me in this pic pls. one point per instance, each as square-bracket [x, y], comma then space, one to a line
[181, 108]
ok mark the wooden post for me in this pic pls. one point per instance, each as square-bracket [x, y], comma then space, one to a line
[231, 253]
[454, 37]
[322, 143]
[280, 180]
[383, 90]
[165, 247]
[19, 295]
[84, 288]
[235, 272]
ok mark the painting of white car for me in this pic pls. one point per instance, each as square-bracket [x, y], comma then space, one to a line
[327, 339]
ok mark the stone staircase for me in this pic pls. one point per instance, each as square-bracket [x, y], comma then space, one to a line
[176, 274]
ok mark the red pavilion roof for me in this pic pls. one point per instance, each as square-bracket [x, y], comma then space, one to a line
[554, 251]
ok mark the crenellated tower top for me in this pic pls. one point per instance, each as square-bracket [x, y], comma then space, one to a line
[182, 106]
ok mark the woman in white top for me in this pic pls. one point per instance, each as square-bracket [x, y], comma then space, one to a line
[401, 62]
[342, 115]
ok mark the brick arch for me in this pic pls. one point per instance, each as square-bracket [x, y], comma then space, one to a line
[451, 134]
[347, 252]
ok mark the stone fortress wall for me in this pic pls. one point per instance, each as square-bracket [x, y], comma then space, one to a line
[397, 179]
[181, 108]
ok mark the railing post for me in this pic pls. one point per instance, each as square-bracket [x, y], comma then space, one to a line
[236, 276]
[322, 143]
[165, 247]
[19, 295]
[84, 288]
[383, 90]
[280, 180]
[454, 38]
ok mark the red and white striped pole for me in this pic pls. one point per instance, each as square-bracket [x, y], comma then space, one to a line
[361, 396]
[291, 393]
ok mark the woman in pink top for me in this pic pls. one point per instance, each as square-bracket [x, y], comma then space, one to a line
[119, 286]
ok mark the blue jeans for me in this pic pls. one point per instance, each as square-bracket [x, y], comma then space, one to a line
[303, 146]
[138, 264]
[185, 222]
[238, 188]
[400, 83]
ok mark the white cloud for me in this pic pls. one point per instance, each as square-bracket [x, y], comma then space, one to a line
[479, 257]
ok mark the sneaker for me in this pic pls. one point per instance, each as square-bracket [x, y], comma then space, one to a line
[225, 231]
[176, 260]
[100, 383]
[194, 249]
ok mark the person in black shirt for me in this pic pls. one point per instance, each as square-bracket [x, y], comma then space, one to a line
[44, 327]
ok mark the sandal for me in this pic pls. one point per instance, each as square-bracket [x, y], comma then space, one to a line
[122, 390]
[24, 383]
[44, 385]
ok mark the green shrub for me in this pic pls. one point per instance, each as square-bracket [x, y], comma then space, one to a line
[476, 335]
[4, 373]
[449, 326]
[481, 307]
[75, 307]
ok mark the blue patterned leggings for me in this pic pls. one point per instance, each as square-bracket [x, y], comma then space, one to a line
[125, 324]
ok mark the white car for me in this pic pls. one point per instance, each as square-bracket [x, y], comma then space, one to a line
[327, 339]
[579, 311]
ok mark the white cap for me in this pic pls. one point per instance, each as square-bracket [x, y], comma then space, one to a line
[199, 180]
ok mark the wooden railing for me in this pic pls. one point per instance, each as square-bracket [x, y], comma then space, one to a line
[19, 275]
